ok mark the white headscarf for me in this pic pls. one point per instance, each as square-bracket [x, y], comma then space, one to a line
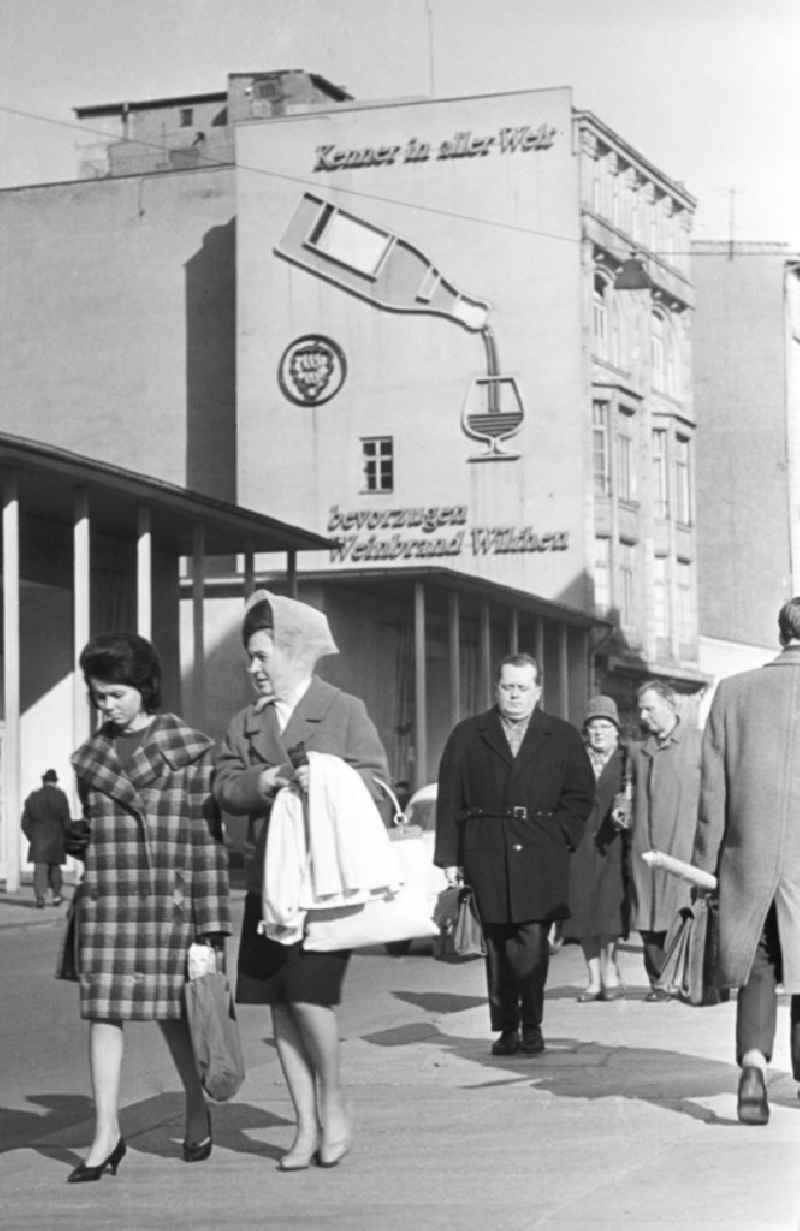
[299, 630]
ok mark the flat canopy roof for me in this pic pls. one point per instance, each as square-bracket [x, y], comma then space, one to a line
[395, 581]
[48, 478]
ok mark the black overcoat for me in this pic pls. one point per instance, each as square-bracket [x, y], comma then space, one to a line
[517, 866]
[599, 893]
[45, 819]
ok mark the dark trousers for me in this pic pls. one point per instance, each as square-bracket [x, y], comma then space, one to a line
[654, 955]
[756, 1003]
[517, 957]
[45, 874]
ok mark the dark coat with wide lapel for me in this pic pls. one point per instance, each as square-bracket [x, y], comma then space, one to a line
[156, 870]
[518, 867]
[325, 720]
[45, 819]
[599, 890]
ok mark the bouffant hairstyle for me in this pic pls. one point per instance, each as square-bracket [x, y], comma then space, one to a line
[124, 658]
[257, 619]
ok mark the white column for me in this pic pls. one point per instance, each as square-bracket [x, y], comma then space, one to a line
[12, 799]
[420, 689]
[539, 652]
[198, 626]
[454, 648]
[144, 574]
[81, 612]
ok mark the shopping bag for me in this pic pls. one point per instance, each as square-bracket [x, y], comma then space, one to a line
[68, 963]
[404, 914]
[214, 1033]
[691, 949]
[468, 934]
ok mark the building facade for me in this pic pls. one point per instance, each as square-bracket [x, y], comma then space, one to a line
[746, 359]
[399, 326]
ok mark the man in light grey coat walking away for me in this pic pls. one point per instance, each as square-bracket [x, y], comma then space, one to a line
[749, 834]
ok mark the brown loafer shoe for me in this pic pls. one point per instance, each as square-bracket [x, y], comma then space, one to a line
[587, 995]
[752, 1106]
[613, 993]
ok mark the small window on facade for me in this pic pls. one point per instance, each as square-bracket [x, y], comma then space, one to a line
[602, 575]
[378, 463]
[660, 474]
[627, 562]
[686, 610]
[600, 316]
[187, 117]
[660, 598]
[683, 486]
[602, 468]
[626, 470]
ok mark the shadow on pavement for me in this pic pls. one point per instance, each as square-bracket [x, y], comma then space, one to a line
[571, 1068]
[152, 1126]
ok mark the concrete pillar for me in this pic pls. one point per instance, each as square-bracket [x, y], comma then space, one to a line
[12, 799]
[291, 573]
[513, 631]
[198, 626]
[144, 574]
[539, 643]
[420, 690]
[485, 654]
[454, 648]
[249, 573]
[563, 672]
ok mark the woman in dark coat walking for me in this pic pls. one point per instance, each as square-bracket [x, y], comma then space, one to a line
[598, 895]
[155, 881]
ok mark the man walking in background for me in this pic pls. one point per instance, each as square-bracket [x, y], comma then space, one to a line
[666, 775]
[749, 834]
[45, 819]
[515, 788]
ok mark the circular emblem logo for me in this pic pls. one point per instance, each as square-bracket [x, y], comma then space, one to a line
[312, 370]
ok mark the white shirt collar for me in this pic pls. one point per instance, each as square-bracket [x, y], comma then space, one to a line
[284, 709]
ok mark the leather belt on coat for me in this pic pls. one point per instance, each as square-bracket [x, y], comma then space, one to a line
[519, 813]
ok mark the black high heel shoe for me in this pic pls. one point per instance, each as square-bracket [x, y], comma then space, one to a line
[198, 1151]
[110, 1164]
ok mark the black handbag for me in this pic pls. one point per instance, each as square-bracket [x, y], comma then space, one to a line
[68, 962]
[76, 839]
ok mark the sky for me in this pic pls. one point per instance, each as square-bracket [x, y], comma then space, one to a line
[705, 89]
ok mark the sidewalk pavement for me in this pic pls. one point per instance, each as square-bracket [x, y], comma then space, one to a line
[627, 1120]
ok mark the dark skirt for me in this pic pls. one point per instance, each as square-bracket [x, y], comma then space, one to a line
[271, 973]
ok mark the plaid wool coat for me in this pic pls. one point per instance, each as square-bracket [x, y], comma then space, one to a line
[156, 870]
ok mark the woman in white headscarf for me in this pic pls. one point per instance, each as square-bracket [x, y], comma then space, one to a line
[283, 640]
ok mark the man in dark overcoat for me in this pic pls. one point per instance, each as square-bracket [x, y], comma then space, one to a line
[515, 789]
[45, 820]
[749, 834]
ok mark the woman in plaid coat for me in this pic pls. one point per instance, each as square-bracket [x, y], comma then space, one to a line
[155, 880]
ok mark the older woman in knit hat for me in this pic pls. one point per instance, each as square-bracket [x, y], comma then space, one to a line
[283, 640]
[598, 882]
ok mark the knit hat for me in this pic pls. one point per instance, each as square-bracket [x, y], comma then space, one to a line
[601, 707]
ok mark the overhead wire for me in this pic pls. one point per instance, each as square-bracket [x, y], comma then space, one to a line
[210, 162]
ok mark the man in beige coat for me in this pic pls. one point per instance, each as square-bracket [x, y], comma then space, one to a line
[749, 834]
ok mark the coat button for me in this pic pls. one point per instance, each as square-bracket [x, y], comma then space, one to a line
[516, 847]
